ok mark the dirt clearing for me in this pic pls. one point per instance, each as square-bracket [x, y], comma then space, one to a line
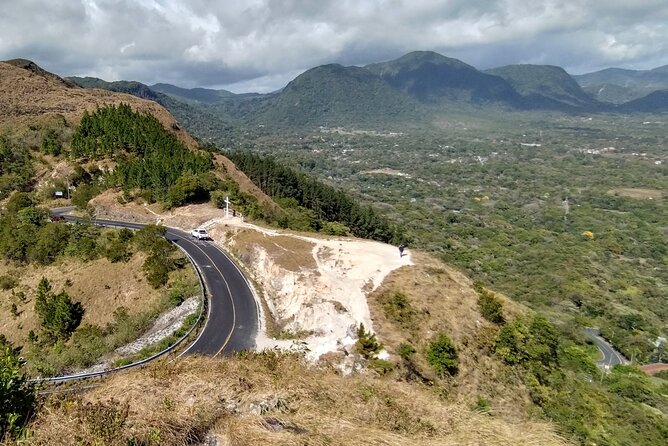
[643, 194]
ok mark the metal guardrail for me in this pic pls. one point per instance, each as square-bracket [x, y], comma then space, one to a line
[78, 376]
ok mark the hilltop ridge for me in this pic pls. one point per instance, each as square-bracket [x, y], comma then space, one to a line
[31, 93]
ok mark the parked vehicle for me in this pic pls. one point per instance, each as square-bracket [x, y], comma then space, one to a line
[200, 234]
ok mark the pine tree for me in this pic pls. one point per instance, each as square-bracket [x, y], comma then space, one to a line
[42, 297]
[367, 345]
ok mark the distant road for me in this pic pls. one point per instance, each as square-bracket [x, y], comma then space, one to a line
[611, 357]
[232, 321]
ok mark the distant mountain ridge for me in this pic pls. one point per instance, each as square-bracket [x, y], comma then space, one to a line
[431, 77]
[331, 94]
[619, 85]
[407, 89]
[130, 87]
[546, 86]
[205, 95]
[655, 102]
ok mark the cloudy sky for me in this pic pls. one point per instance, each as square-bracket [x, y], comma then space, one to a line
[259, 45]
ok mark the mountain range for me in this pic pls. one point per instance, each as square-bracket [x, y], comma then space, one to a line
[617, 85]
[410, 88]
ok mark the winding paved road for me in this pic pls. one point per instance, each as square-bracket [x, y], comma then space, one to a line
[611, 357]
[232, 321]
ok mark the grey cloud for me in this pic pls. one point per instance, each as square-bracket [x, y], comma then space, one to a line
[259, 42]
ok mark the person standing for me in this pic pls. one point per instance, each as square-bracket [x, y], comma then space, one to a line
[401, 250]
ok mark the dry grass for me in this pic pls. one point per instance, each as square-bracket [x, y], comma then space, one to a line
[639, 193]
[269, 399]
[443, 300]
[101, 286]
[28, 97]
[287, 252]
[226, 168]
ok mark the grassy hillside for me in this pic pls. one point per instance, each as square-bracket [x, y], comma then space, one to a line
[491, 397]
[278, 398]
[31, 98]
[270, 399]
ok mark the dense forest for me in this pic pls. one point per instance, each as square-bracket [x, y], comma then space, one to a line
[328, 203]
[16, 170]
[149, 157]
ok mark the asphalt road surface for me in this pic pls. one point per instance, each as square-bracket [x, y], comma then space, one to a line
[611, 357]
[232, 321]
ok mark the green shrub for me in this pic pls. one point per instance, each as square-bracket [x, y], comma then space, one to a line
[532, 341]
[631, 382]
[218, 198]
[116, 249]
[176, 297]
[83, 194]
[381, 366]
[187, 188]
[58, 315]
[483, 405]
[83, 242]
[406, 351]
[51, 241]
[577, 358]
[157, 268]
[335, 228]
[18, 201]
[490, 307]
[442, 356]
[51, 145]
[367, 345]
[399, 309]
[17, 394]
[148, 236]
[7, 282]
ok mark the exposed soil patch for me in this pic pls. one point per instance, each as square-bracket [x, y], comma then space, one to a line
[653, 369]
[639, 193]
[290, 253]
[311, 284]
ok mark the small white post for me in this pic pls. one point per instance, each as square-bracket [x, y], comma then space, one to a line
[227, 207]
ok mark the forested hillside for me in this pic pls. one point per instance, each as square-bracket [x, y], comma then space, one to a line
[148, 157]
[325, 202]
